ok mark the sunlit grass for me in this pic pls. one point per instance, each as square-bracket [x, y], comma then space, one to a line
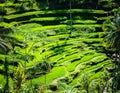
[81, 21]
[55, 73]
[47, 18]
[90, 70]
[66, 53]
[84, 59]
[53, 12]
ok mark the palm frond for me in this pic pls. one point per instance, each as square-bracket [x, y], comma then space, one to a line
[113, 40]
[4, 47]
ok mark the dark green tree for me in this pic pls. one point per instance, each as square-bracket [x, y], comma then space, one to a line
[112, 41]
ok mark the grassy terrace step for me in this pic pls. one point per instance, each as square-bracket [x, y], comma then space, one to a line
[52, 52]
[34, 27]
[53, 74]
[89, 25]
[47, 47]
[104, 18]
[52, 30]
[62, 57]
[47, 18]
[91, 69]
[96, 76]
[74, 58]
[84, 60]
[88, 34]
[56, 72]
[4, 24]
[65, 55]
[57, 57]
[12, 16]
[96, 67]
[9, 5]
[50, 45]
[41, 20]
[71, 41]
[41, 28]
[63, 19]
[96, 34]
[38, 29]
[44, 20]
[75, 41]
[81, 21]
[65, 26]
[69, 58]
[92, 40]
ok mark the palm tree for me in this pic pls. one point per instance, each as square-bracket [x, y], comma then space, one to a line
[4, 48]
[113, 39]
[113, 43]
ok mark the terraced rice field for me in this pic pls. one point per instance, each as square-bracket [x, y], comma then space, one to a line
[70, 55]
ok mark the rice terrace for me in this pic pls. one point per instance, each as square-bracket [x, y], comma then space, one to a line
[59, 46]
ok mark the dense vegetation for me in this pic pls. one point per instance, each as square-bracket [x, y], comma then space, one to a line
[59, 46]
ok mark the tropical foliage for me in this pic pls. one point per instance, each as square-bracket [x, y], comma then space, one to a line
[113, 42]
[45, 47]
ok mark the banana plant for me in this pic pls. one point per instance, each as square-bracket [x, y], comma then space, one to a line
[19, 78]
[7, 44]
[4, 49]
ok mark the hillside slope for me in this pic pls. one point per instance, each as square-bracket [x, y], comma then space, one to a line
[59, 51]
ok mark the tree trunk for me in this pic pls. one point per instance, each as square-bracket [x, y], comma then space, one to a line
[6, 87]
[107, 85]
